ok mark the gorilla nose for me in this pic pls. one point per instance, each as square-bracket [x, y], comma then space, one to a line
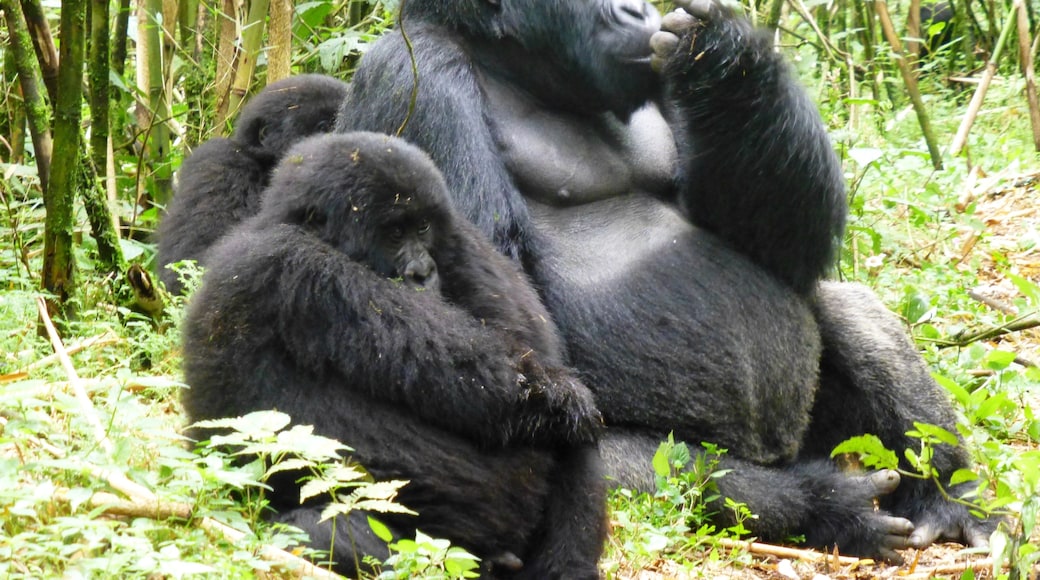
[633, 12]
[421, 274]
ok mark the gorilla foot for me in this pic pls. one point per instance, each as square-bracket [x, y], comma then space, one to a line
[941, 520]
[845, 514]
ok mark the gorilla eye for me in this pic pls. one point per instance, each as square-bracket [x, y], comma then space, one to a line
[323, 126]
[424, 227]
[396, 233]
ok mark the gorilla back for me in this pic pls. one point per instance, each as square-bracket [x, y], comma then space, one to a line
[219, 185]
[455, 385]
[681, 253]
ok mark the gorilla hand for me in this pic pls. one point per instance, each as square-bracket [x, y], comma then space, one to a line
[555, 407]
[706, 42]
[876, 534]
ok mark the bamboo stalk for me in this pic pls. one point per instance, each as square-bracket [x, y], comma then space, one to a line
[1028, 71]
[980, 92]
[908, 79]
[279, 39]
[37, 113]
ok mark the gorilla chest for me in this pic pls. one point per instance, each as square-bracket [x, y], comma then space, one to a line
[563, 159]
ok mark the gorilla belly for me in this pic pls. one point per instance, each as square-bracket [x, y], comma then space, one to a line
[669, 326]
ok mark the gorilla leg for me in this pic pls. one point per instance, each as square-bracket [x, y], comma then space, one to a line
[873, 381]
[575, 525]
[806, 497]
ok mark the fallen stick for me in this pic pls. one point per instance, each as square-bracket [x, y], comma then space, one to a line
[761, 549]
[86, 406]
[949, 569]
[103, 339]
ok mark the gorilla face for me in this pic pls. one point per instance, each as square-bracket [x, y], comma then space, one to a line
[585, 55]
[401, 249]
[287, 110]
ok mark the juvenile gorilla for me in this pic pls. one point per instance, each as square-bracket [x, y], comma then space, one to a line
[219, 185]
[674, 196]
[358, 302]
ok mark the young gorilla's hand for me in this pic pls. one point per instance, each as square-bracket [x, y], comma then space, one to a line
[555, 408]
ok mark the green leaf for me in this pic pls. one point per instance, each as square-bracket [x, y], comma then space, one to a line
[959, 393]
[871, 451]
[962, 475]
[1028, 289]
[660, 461]
[999, 360]
[938, 433]
[380, 530]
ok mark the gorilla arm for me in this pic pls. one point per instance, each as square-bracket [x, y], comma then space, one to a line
[759, 170]
[412, 348]
[448, 123]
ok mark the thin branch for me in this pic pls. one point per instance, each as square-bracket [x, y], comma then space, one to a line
[86, 406]
[760, 549]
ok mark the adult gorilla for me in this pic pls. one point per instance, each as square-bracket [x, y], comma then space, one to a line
[356, 301]
[219, 185]
[681, 258]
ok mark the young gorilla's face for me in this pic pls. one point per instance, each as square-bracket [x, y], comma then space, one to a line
[401, 249]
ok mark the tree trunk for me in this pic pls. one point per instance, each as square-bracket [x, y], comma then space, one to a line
[102, 225]
[120, 38]
[13, 125]
[227, 62]
[252, 43]
[908, 79]
[57, 258]
[913, 29]
[279, 40]
[150, 81]
[43, 44]
[37, 113]
[99, 87]
[1025, 55]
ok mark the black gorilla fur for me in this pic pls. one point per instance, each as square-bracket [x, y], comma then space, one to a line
[678, 226]
[458, 387]
[219, 185]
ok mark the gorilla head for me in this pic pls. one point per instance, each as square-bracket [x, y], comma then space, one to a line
[288, 110]
[556, 49]
[382, 203]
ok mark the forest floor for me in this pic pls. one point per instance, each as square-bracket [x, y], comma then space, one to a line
[1009, 205]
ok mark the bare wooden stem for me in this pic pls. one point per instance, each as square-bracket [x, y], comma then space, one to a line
[1028, 71]
[980, 92]
[909, 80]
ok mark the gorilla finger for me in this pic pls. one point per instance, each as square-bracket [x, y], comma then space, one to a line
[898, 529]
[925, 535]
[891, 556]
[675, 22]
[976, 537]
[663, 43]
[884, 481]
